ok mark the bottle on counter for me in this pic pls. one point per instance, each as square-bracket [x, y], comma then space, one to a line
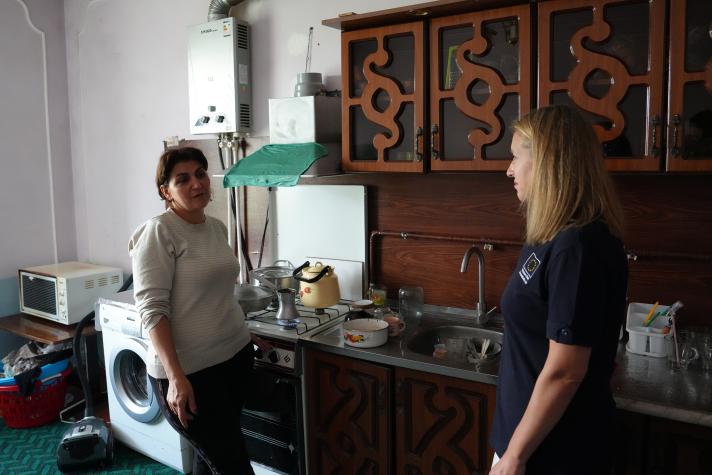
[377, 293]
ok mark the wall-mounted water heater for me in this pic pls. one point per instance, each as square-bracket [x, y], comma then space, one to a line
[219, 85]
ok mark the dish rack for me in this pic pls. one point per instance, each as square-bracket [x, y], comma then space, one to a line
[650, 340]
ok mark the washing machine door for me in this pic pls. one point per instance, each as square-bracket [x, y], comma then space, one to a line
[129, 380]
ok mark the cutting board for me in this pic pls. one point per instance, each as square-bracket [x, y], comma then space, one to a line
[322, 220]
[349, 273]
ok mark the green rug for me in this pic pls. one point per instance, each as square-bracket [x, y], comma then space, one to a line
[33, 451]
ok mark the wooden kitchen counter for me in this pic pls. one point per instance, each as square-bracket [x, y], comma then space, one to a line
[40, 329]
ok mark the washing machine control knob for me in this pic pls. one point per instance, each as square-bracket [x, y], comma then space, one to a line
[273, 356]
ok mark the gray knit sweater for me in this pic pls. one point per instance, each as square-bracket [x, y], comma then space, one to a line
[186, 272]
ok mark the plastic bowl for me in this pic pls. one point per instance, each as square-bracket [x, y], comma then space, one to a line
[365, 332]
[47, 371]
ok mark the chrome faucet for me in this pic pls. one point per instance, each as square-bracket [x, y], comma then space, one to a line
[481, 315]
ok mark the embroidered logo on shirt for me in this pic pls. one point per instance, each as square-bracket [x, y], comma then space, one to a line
[529, 268]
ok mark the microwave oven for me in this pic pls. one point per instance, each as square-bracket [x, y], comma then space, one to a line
[66, 292]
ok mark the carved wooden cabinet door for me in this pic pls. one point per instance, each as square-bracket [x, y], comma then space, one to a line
[383, 98]
[606, 57]
[348, 415]
[480, 81]
[689, 137]
[442, 424]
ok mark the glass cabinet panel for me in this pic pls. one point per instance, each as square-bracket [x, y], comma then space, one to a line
[698, 34]
[359, 50]
[385, 100]
[697, 111]
[604, 57]
[481, 84]
[689, 119]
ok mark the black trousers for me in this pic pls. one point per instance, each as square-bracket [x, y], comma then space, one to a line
[215, 432]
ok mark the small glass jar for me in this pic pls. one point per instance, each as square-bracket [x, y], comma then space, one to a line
[377, 294]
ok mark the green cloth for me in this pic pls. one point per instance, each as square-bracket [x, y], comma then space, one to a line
[274, 165]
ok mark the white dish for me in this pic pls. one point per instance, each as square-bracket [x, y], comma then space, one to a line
[365, 332]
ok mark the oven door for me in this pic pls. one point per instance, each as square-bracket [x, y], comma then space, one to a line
[272, 421]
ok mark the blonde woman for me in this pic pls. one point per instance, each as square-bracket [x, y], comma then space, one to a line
[563, 305]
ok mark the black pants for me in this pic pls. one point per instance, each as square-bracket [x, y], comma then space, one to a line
[215, 432]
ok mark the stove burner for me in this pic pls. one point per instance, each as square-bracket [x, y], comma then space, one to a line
[289, 323]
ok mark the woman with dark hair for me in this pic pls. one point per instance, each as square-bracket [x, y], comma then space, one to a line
[184, 276]
[563, 305]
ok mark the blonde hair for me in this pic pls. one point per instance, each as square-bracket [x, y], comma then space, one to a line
[569, 186]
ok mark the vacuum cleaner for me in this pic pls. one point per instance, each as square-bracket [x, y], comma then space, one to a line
[87, 443]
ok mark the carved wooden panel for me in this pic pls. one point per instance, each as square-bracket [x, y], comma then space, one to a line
[383, 98]
[612, 69]
[348, 415]
[480, 81]
[442, 424]
[689, 122]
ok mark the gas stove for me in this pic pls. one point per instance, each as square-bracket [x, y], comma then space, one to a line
[264, 322]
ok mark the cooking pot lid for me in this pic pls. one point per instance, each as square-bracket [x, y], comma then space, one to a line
[252, 291]
[273, 272]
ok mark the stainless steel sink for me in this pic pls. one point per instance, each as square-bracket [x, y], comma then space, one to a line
[462, 343]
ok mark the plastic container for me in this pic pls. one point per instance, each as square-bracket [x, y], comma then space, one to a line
[47, 371]
[650, 340]
[39, 408]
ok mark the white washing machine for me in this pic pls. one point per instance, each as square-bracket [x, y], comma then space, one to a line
[136, 419]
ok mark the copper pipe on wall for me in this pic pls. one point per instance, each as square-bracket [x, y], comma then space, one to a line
[486, 242]
[634, 255]
[489, 243]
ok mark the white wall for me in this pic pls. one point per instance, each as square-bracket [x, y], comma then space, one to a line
[127, 66]
[37, 211]
[94, 88]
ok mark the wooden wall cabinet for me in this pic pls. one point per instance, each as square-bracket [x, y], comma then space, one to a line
[607, 57]
[443, 101]
[440, 424]
[689, 117]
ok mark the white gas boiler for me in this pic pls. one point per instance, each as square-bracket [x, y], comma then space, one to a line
[219, 86]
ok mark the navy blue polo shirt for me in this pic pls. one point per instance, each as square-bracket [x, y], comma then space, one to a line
[572, 290]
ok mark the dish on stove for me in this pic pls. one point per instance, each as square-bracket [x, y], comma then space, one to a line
[365, 332]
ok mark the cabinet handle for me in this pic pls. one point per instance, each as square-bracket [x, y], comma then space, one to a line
[399, 396]
[418, 153]
[654, 123]
[433, 150]
[675, 150]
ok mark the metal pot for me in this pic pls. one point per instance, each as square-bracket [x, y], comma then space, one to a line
[319, 286]
[253, 297]
[277, 276]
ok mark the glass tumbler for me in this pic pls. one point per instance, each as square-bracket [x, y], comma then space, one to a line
[705, 347]
[377, 293]
[410, 301]
[687, 348]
